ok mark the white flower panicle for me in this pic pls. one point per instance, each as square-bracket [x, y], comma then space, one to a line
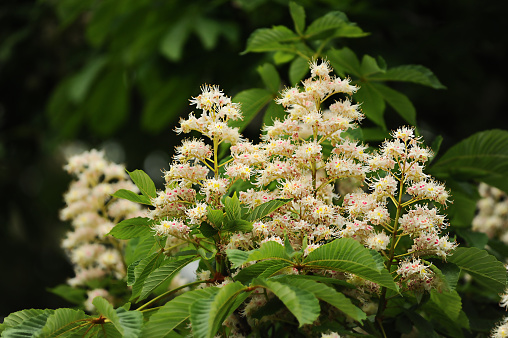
[93, 212]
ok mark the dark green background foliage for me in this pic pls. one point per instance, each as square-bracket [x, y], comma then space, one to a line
[118, 74]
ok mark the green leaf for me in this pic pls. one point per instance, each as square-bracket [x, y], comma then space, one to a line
[144, 183]
[29, 326]
[130, 321]
[347, 255]
[131, 228]
[108, 104]
[269, 39]
[267, 208]
[267, 250]
[273, 112]
[208, 31]
[63, 321]
[83, 80]
[302, 303]
[369, 66]
[483, 156]
[298, 15]
[344, 61]
[447, 304]
[372, 103]
[208, 314]
[398, 101]
[168, 270]
[375, 134]
[238, 225]
[216, 217]
[132, 196]
[282, 57]
[174, 313]
[19, 317]
[484, 268]
[145, 267]
[70, 294]
[104, 308]
[297, 70]
[207, 230]
[232, 207]
[270, 77]
[436, 146]
[330, 21]
[329, 295]
[171, 45]
[131, 277]
[165, 103]
[410, 73]
[252, 101]
[263, 269]
[140, 247]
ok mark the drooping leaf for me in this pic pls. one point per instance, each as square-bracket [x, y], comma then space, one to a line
[267, 250]
[130, 321]
[269, 39]
[264, 269]
[29, 326]
[410, 73]
[208, 31]
[107, 104]
[344, 61]
[83, 80]
[70, 294]
[132, 196]
[372, 103]
[252, 101]
[144, 183]
[329, 295]
[132, 227]
[298, 15]
[302, 303]
[329, 22]
[16, 318]
[174, 312]
[140, 247]
[166, 271]
[266, 208]
[270, 77]
[145, 267]
[369, 66]
[483, 267]
[347, 255]
[63, 321]
[298, 69]
[207, 314]
[171, 45]
[483, 157]
[398, 101]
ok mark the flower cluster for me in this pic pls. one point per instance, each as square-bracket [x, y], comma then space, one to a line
[492, 215]
[93, 212]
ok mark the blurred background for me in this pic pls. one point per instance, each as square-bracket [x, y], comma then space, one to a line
[116, 75]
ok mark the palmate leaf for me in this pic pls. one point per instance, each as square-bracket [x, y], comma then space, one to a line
[302, 303]
[175, 312]
[63, 321]
[398, 101]
[327, 294]
[347, 255]
[167, 271]
[267, 208]
[268, 250]
[208, 314]
[19, 317]
[132, 228]
[483, 156]
[373, 103]
[70, 294]
[270, 77]
[298, 15]
[297, 70]
[144, 183]
[483, 267]
[345, 61]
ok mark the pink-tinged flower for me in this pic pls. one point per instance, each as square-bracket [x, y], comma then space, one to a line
[378, 241]
[174, 227]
